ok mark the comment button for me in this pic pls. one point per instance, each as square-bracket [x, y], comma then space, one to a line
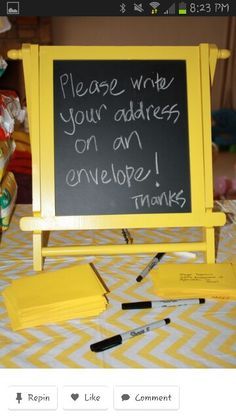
[146, 397]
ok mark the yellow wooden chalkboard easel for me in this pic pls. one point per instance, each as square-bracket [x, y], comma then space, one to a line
[38, 71]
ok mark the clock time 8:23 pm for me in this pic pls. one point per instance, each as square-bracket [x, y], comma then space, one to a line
[209, 8]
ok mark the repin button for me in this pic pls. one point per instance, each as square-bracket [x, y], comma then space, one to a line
[32, 398]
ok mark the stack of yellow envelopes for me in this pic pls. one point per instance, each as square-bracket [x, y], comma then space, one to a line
[195, 280]
[52, 297]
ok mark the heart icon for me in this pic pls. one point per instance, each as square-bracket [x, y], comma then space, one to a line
[74, 396]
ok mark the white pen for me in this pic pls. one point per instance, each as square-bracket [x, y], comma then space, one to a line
[162, 303]
[119, 339]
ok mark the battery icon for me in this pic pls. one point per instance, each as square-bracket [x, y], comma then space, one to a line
[182, 8]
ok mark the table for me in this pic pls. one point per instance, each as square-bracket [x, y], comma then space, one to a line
[198, 337]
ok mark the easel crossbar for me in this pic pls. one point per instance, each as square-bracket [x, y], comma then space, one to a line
[120, 221]
[101, 250]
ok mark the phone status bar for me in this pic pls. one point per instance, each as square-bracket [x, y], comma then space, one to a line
[123, 8]
[181, 8]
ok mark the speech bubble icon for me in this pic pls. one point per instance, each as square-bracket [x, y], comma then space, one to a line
[125, 397]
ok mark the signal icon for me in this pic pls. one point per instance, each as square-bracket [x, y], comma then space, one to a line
[154, 5]
[171, 10]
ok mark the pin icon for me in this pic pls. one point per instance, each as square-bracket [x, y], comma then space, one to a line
[74, 396]
[18, 397]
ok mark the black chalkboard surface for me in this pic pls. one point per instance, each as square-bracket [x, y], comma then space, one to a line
[121, 137]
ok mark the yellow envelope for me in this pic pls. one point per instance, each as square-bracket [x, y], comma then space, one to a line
[195, 280]
[65, 284]
[51, 297]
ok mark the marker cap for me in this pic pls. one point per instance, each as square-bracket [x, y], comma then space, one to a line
[106, 344]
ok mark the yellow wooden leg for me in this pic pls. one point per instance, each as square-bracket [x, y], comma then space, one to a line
[40, 239]
[210, 245]
[37, 251]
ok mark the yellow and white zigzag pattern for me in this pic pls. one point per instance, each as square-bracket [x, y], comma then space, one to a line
[197, 337]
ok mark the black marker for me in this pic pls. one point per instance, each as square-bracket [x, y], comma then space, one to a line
[127, 236]
[119, 339]
[161, 303]
[151, 265]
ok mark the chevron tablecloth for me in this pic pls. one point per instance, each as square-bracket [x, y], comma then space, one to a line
[198, 337]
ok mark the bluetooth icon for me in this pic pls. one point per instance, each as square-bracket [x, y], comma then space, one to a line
[123, 8]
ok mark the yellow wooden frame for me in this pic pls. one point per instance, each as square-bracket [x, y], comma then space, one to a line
[38, 71]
